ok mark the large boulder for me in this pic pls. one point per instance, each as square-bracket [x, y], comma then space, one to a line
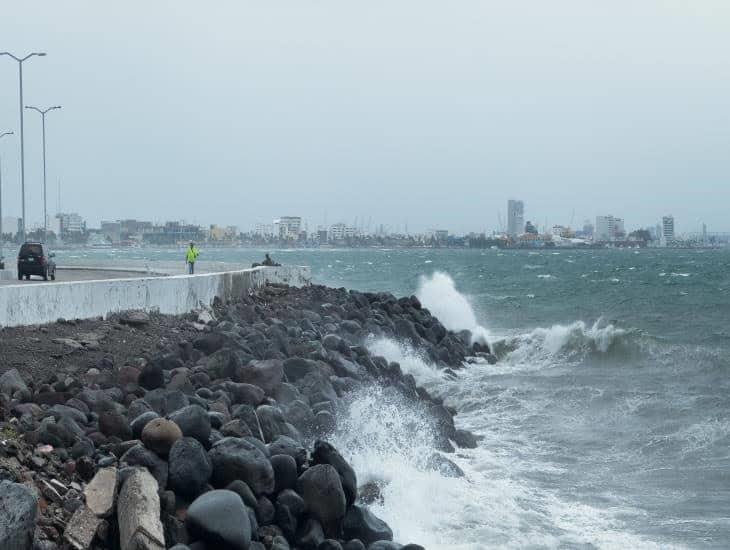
[189, 467]
[272, 422]
[219, 519]
[18, 507]
[360, 523]
[321, 489]
[234, 458]
[267, 374]
[324, 453]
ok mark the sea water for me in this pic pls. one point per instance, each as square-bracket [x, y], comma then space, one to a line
[605, 423]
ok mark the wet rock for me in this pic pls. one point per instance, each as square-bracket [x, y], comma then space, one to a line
[321, 489]
[360, 523]
[18, 506]
[310, 536]
[235, 458]
[219, 519]
[160, 434]
[244, 491]
[264, 511]
[465, 439]
[285, 472]
[284, 445]
[330, 544]
[325, 453]
[189, 467]
[353, 544]
[272, 422]
[443, 466]
[138, 512]
[289, 508]
[194, 422]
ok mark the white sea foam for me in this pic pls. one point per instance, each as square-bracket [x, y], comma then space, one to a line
[438, 293]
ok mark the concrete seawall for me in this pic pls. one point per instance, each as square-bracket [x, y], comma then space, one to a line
[24, 304]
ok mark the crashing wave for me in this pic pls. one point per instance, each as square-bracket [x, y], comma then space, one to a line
[438, 293]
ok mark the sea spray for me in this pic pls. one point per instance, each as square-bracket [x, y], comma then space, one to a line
[439, 294]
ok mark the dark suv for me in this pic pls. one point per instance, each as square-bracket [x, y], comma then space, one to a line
[36, 259]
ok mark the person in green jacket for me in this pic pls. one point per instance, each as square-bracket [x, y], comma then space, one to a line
[190, 256]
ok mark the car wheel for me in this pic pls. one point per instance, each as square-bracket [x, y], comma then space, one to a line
[53, 275]
[20, 275]
[27, 277]
[45, 274]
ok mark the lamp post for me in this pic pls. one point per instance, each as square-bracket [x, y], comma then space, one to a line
[45, 204]
[20, 61]
[1, 198]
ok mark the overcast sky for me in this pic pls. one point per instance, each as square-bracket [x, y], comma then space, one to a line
[430, 113]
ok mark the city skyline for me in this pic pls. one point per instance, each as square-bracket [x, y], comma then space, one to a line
[412, 131]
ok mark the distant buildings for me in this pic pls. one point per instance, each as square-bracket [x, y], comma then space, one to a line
[71, 223]
[289, 227]
[667, 230]
[608, 229]
[515, 217]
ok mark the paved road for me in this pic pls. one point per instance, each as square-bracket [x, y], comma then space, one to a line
[74, 275]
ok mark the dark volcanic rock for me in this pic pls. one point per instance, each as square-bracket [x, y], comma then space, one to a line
[267, 374]
[220, 519]
[112, 423]
[284, 445]
[140, 422]
[233, 458]
[360, 523]
[285, 472]
[141, 456]
[152, 376]
[310, 535]
[324, 453]
[321, 489]
[194, 422]
[189, 467]
[18, 506]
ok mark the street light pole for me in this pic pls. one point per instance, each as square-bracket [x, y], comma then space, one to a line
[1, 198]
[45, 203]
[22, 142]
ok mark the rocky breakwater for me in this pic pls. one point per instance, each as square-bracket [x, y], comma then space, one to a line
[216, 438]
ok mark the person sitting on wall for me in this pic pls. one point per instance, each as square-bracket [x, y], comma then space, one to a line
[268, 262]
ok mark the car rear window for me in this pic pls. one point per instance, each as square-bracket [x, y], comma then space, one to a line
[34, 249]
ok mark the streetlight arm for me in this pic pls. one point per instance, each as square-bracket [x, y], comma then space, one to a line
[6, 134]
[11, 55]
[34, 108]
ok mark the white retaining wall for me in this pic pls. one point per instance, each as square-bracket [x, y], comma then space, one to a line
[34, 304]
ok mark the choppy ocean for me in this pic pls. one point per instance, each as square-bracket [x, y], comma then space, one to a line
[605, 424]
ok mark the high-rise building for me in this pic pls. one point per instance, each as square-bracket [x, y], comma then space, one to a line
[515, 218]
[71, 223]
[605, 229]
[667, 230]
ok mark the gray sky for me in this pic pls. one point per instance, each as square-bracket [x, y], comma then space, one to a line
[433, 113]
